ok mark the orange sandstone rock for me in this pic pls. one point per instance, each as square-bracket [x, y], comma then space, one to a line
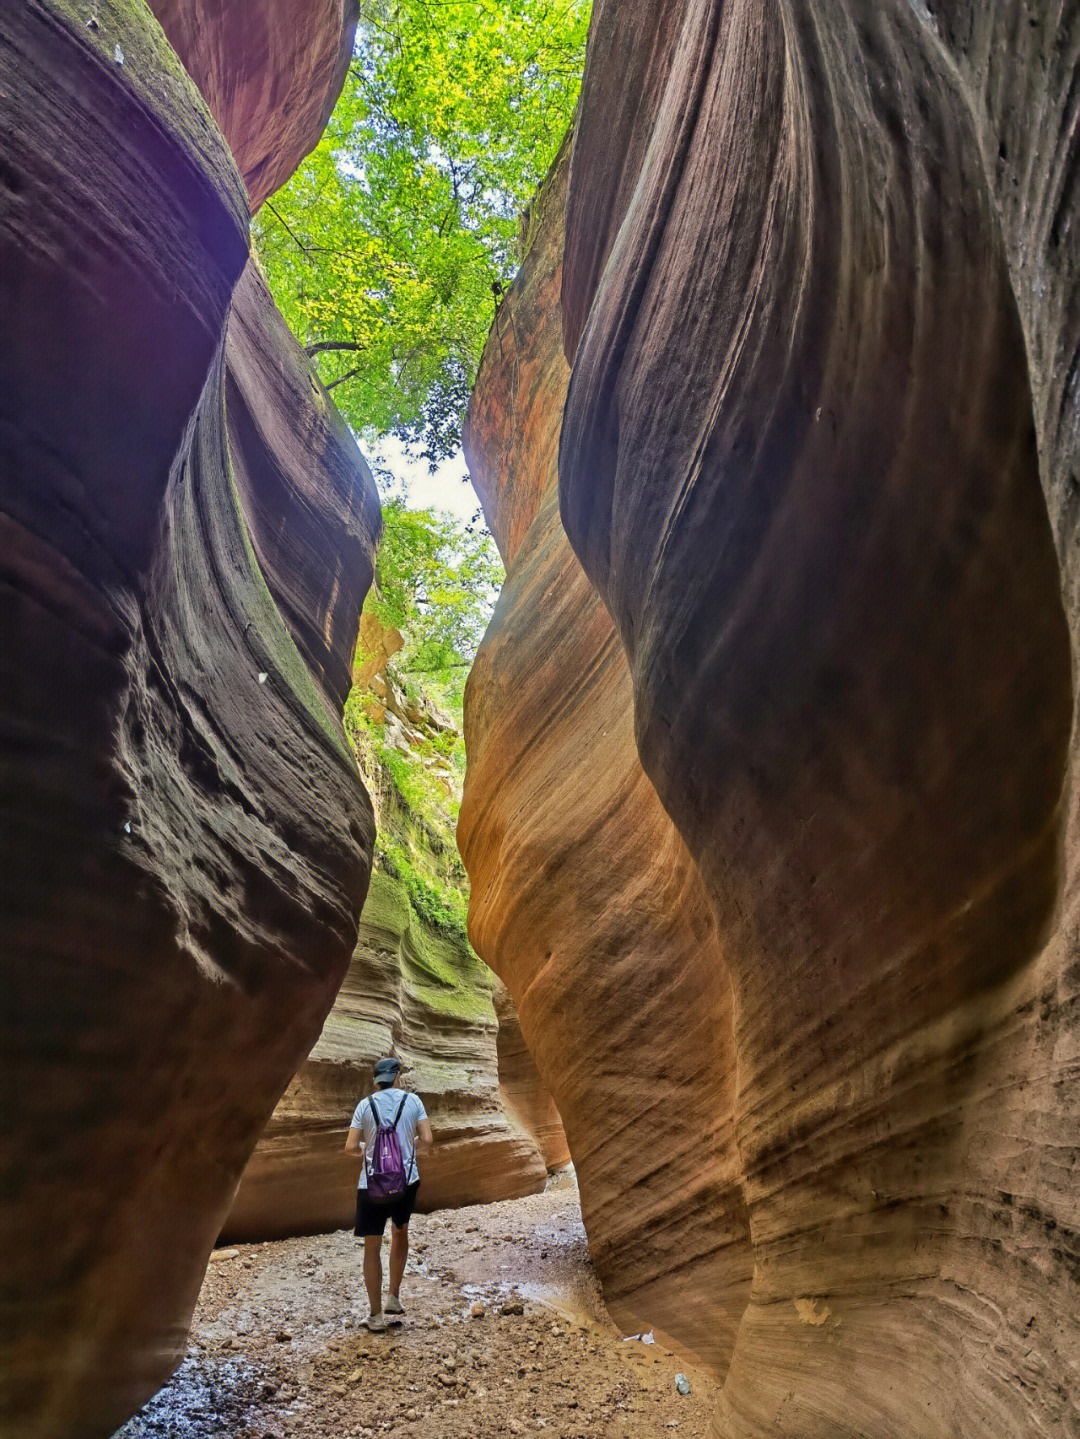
[270, 71]
[819, 456]
[584, 898]
[523, 1091]
[376, 646]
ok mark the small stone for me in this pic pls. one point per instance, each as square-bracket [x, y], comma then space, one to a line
[477, 1310]
[682, 1384]
[450, 1363]
[512, 1306]
[354, 1377]
[269, 1388]
[516, 1427]
[216, 1254]
[283, 1336]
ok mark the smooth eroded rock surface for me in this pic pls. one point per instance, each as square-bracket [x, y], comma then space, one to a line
[584, 898]
[523, 1091]
[818, 449]
[185, 841]
[270, 71]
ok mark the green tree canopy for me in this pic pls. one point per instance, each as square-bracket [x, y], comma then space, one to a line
[436, 580]
[387, 249]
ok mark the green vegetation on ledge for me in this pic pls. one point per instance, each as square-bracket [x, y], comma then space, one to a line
[436, 581]
[435, 585]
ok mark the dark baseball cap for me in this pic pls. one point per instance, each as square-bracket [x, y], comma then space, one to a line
[386, 1069]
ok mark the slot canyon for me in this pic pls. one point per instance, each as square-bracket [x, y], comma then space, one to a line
[771, 811]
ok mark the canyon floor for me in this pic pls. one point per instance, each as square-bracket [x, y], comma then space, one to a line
[277, 1349]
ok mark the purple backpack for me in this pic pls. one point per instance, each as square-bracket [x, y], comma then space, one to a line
[386, 1172]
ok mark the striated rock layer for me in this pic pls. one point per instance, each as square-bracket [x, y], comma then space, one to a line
[523, 1091]
[185, 841]
[412, 992]
[584, 898]
[819, 457]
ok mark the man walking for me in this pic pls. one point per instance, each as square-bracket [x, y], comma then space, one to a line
[389, 1105]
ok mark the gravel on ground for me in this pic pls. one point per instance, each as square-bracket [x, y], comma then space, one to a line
[504, 1333]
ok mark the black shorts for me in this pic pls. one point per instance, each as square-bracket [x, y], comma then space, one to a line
[371, 1215]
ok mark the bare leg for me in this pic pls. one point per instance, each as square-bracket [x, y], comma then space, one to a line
[399, 1252]
[373, 1271]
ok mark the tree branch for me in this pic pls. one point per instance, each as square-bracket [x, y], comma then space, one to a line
[288, 228]
[348, 375]
[321, 347]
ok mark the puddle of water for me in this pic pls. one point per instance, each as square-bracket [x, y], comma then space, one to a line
[204, 1399]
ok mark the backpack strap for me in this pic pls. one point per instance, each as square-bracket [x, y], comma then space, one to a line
[374, 1111]
[400, 1108]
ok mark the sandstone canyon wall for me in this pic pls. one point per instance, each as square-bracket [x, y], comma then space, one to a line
[584, 898]
[522, 1090]
[186, 843]
[418, 994]
[819, 457]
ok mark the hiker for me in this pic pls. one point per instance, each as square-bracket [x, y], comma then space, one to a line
[384, 1133]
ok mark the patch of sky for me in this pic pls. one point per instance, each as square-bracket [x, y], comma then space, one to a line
[412, 478]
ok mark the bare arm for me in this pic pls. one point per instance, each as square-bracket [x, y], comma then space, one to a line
[354, 1145]
[425, 1140]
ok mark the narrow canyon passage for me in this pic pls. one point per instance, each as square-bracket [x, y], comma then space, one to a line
[505, 1334]
[742, 871]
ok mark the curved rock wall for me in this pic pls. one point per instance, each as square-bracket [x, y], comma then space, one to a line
[523, 1091]
[185, 841]
[270, 73]
[583, 896]
[415, 993]
[820, 296]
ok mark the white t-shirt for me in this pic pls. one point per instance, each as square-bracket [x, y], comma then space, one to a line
[387, 1101]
